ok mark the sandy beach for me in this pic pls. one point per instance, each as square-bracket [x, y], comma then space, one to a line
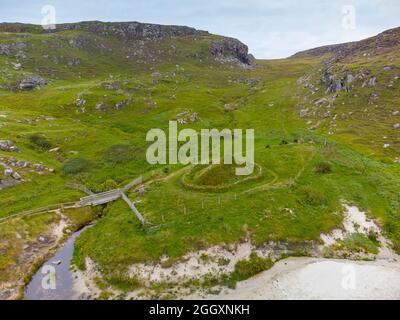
[320, 279]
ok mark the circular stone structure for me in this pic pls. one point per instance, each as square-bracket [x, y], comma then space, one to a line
[217, 177]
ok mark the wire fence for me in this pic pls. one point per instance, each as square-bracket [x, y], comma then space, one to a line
[42, 210]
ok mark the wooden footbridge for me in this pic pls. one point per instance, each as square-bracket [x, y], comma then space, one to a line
[94, 199]
[113, 195]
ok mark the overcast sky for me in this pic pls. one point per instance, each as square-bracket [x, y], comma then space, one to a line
[271, 28]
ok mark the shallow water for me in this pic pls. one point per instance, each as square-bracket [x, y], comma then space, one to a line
[60, 289]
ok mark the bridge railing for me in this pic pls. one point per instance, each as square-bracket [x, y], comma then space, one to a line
[134, 183]
[85, 201]
[98, 196]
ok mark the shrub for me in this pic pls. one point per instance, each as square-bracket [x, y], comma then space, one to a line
[244, 269]
[358, 242]
[123, 282]
[312, 196]
[40, 142]
[108, 185]
[119, 153]
[75, 165]
[373, 237]
[323, 167]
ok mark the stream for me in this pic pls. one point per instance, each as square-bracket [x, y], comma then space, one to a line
[53, 281]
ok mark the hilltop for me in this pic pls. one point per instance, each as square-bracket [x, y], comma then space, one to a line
[123, 30]
[383, 42]
[88, 49]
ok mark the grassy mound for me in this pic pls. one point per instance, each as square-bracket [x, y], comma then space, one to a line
[220, 177]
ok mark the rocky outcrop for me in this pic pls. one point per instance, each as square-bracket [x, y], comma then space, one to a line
[80, 102]
[8, 183]
[187, 117]
[120, 105]
[8, 49]
[74, 62]
[249, 81]
[32, 82]
[333, 84]
[7, 145]
[100, 106]
[232, 50]
[132, 30]
[21, 164]
[5, 49]
[125, 30]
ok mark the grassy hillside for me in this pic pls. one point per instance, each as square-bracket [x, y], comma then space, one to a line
[315, 148]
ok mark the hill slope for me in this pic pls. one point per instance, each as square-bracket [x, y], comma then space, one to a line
[75, 107]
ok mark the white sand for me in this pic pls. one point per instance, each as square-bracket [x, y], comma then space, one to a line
[355, 221]
[319, 279]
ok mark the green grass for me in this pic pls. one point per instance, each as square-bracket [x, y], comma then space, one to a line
[245, 269]
[14, 235]
[297, 196]
[358, 242]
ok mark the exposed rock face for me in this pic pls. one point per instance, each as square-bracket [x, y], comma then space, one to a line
[5, 49]
[230, 49]
[74, 62]
[125, 30]
[89, 38]
[100, 106]
[303, 112]
[79, 102]
[320, 102]
[111, 85]
[372, 82]
[16, 176]
[7, 183]
[120, 105]
[187, 117]
[16, 66]
[156, 74]
[7, 145]
[21, 164]
[13, 49]
[350, 78]
[79, 42]
[334, 84]
[32, 82]
[249, 81]
[132, 30]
